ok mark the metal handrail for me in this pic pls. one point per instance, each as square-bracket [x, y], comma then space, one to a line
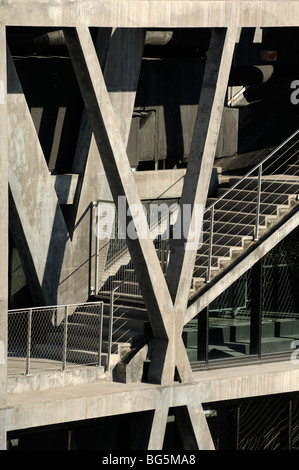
[258, 167]
[66, 309]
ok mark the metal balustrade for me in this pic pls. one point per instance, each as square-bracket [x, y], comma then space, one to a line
[55, 337]
[224, 224]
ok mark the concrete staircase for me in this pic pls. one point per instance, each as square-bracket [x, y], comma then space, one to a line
[85, 334]
[235, 219]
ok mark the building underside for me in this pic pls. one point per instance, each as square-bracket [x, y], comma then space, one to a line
[149, 225]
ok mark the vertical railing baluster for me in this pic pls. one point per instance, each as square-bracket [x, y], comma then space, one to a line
[96, 282]
[110, 332]
[258, 203]
[100, 334]
[29, 333]
[64, 352]
[210, 244]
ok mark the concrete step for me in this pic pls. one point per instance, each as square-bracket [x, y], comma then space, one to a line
[292, 169]
[54, 352]
[200, 272]
[241, 332]
[236, 216]
[246, 206]
[286, 327]
[219, 334]
[137, 322]
[189, 336]
[270, 345]
[91, 344]
[203, 260]
[280, 187]
[126, 287]
[222, 238]
[266, 197]
[231, 228]
[219, 250]
[216, 352]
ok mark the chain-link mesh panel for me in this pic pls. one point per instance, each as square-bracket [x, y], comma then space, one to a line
[55, 338]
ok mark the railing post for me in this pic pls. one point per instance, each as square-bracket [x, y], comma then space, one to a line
[64, 352]
[29, 332]
[210, 245]
[110, 332]
[258, 203]
[96, 282]
[100, 334]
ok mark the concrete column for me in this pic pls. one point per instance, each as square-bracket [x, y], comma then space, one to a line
[201, 157]
[3, 233]
[200, 427]
[158, 428]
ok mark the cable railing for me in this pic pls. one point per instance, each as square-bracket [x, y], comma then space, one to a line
[56, 337]
[245, 207]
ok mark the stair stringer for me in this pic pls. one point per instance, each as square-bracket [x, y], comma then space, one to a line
[240, 265]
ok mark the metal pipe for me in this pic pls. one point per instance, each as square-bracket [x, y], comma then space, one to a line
[95, 205]
[100, 334]
[29, 331]
[110, 328]
[258, 203]
[65, 338]
[210, 244]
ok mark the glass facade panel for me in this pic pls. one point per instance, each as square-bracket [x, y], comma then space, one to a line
[236, 324]
[229, 321]
[280, 296]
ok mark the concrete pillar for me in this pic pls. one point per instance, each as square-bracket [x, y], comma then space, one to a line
[200, 427]
[3, 233]
[158, 428]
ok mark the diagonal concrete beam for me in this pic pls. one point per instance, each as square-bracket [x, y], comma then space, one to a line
[34, 198]
[44, 239]
[166, 326]
[111, 148]
[119, 53]
[201, 160]
[200, 426]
